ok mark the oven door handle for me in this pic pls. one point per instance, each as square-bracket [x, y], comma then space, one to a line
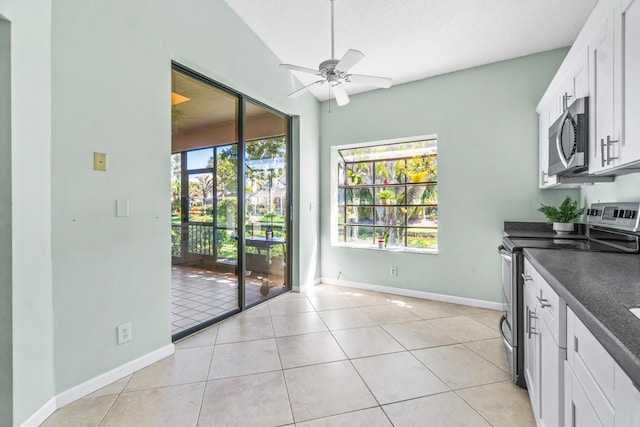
[504, 339]
[504, 253]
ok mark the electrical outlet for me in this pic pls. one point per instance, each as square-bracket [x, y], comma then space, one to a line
[393, 271]
[124, 333]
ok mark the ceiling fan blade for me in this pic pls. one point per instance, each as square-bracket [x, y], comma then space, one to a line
[340, 94]
[302, 69]
[351, 58]
[383, 82]
[305, 89]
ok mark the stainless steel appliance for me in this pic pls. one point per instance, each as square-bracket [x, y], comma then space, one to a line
[611, 227]
[568, 140]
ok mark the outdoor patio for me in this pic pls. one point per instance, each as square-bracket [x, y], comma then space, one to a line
[199, 294]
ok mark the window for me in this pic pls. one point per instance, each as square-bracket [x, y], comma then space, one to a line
[387, 195]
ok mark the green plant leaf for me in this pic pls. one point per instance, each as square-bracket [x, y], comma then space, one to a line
[568, 211]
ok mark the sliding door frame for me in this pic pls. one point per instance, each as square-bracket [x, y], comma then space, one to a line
[240, 220]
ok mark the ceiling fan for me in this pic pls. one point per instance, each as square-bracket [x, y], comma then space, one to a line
[335, 72]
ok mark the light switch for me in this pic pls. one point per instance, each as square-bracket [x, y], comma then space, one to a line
[122, 208]
[100, 161]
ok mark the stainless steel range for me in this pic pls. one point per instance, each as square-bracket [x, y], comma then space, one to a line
[611, 227]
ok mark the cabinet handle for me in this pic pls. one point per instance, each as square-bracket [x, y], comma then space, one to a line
[530, 316]
[602, 159]
[526, 278]
[543, 302]
[609, 142]
[565, 100]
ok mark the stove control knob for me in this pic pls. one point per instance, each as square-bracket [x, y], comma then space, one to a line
[632, 214]
[615, 213]
[621, 213]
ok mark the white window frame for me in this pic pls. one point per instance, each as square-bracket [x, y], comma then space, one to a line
[334, 195]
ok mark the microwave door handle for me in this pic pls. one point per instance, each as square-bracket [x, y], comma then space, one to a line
[566, 115]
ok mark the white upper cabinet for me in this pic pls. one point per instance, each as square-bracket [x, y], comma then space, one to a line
[614, 64]
[546, 181]
[630, 35]
[574, 85]
[603, 64]
[604, 129]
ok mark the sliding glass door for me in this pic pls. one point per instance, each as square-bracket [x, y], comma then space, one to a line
[266, 204]
[230, 202]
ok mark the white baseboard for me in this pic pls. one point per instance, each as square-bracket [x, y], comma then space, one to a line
[414, 294]
[94, 384]
[304, 286]
[41, 414]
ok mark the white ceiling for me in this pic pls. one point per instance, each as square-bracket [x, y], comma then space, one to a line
[410, 40]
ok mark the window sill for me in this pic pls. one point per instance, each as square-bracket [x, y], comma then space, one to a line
[389, 249]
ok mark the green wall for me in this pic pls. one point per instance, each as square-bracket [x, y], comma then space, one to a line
[625, 188]
[6, 344]
[30, 203]
[111, 81]
[96, 76]
[487, 131]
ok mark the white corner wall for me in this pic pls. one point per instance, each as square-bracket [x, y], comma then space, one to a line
[111, 83]
[487, 131]
[6, 342]
[30, 204]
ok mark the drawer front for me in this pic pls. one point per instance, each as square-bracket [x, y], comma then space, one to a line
[593, 366]
[552, 308]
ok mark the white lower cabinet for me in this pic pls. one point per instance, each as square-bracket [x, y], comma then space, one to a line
[545, 348]
[551, 385]
[578, 410]
[572, 380]
[597, 391]
[531, 346]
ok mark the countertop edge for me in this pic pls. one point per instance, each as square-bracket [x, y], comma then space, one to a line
[627, 360]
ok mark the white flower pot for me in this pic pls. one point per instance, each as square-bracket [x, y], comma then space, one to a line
[563, 227]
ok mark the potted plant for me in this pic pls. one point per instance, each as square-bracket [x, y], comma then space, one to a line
[386, 197]
[355, 177]
[564, 216]
[419, 167]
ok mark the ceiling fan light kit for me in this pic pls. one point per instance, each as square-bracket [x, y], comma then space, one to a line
[335, 73]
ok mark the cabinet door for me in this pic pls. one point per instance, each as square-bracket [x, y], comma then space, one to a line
[545, 181]
[630, 30]
[578, 411]
[603, 148]
[551, 386]
[531, 348]
[580, 76]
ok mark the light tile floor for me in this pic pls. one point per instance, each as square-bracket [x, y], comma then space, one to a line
[199, 294]
[330, 357]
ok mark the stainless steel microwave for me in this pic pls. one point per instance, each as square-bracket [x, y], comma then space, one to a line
[569, 140]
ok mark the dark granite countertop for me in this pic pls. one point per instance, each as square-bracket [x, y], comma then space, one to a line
[599, 288]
